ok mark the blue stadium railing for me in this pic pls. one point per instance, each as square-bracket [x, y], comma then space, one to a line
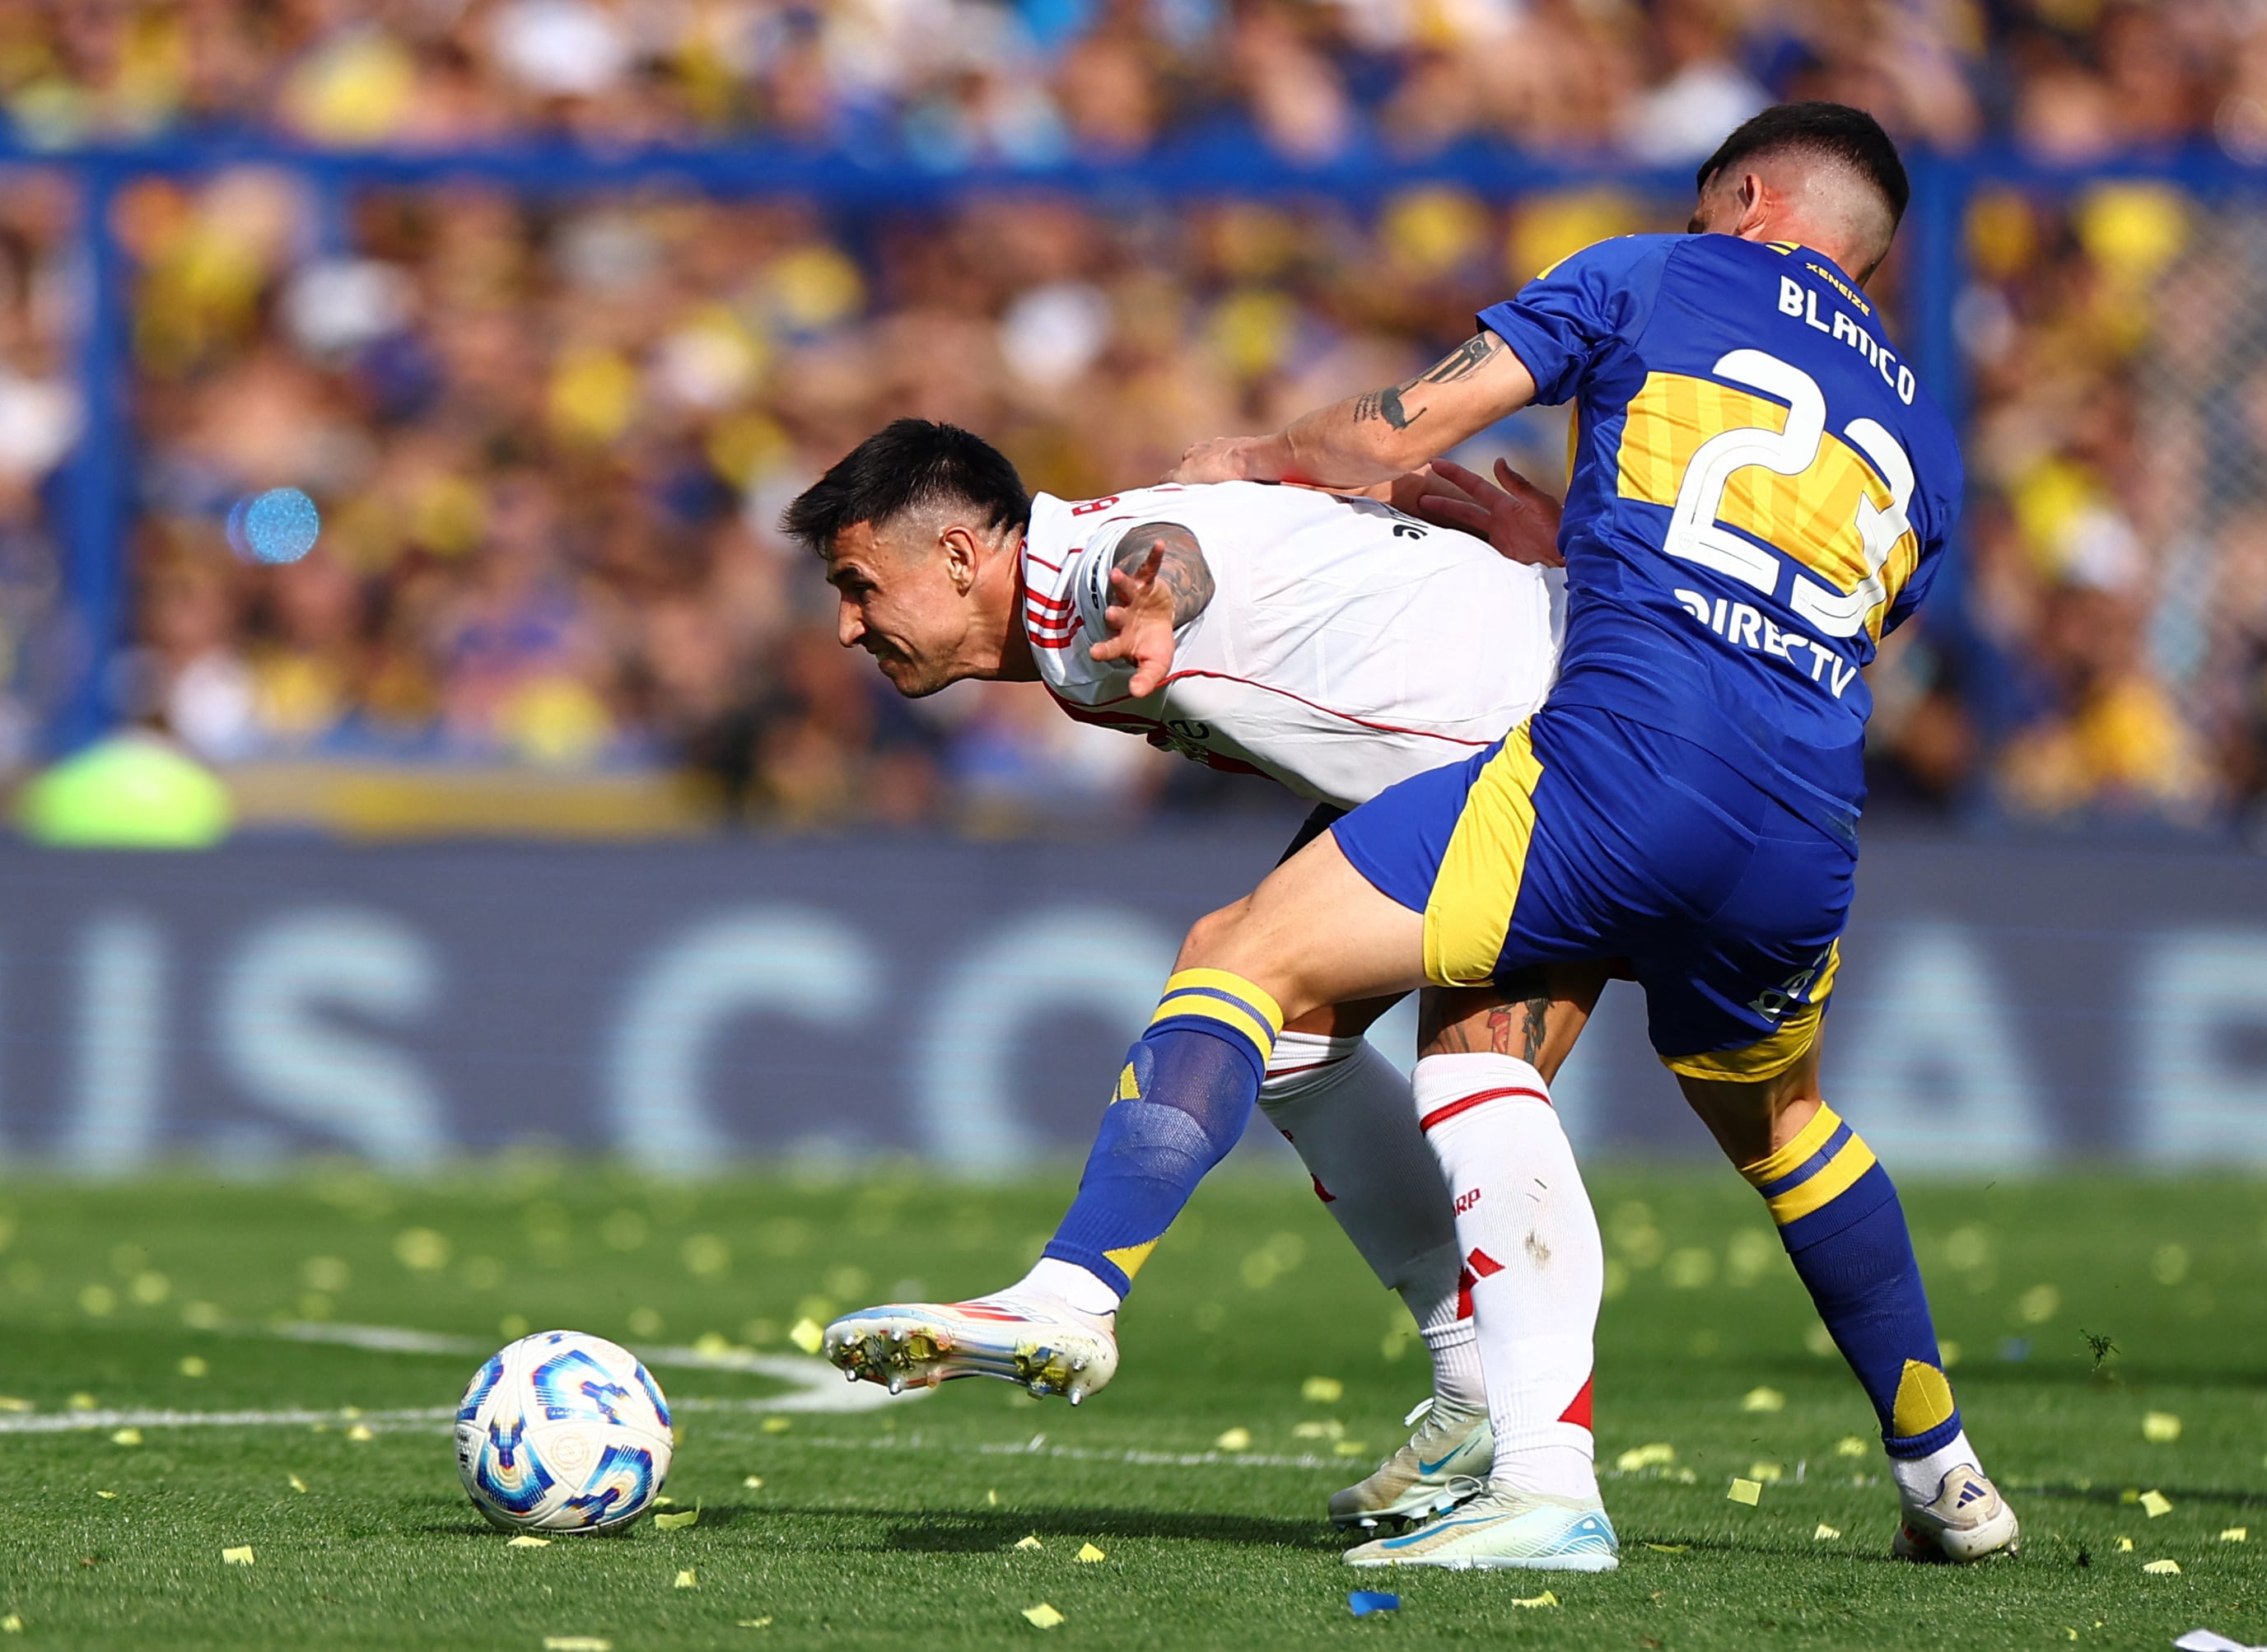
[96, 493]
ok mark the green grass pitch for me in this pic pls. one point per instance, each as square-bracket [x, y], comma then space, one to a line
[901, 1527]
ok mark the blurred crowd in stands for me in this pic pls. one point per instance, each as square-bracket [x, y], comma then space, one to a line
[949, 82]
[551, 438]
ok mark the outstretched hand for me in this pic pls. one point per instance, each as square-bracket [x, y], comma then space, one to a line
[1510, 513]
[1140, 622]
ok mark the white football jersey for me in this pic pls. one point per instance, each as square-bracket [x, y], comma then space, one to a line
[1347, 646]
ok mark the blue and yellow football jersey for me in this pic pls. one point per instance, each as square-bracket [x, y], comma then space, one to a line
[1760, 490]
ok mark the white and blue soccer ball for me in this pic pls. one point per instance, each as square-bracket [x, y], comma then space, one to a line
[563, 1432]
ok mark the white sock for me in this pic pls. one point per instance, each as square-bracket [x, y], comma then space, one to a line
[1457, 1381]
[1533, 1263]
[1920, 1478]
[1344, 1108]
[1051, 1276]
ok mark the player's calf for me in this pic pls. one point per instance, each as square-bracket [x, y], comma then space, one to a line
[1838, 1216]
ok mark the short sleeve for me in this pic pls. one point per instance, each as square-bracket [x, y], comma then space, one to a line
[1563, 319]
[1089, 584]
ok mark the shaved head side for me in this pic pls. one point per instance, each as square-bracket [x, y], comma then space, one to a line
[1836, 168]
[908, 466]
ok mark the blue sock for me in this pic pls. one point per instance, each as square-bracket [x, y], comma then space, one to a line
[1839, 1219]
[1184, 1095]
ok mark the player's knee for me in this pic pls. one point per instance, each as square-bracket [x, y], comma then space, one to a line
[1212, 937]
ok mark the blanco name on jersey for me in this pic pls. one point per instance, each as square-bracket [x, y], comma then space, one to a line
[1346, 646]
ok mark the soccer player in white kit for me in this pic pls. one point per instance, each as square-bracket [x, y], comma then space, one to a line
[1335, 644]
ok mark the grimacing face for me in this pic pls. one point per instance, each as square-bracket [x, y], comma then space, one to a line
[898, 603]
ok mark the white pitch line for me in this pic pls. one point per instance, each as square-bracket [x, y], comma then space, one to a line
[814, 1386]
[1038, 1446]
[74, 1421]
[819, 1386]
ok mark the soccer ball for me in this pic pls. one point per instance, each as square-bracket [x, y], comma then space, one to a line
[563, 1432]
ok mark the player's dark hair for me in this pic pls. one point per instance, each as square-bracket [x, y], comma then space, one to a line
[1833, 131]
[904, 465]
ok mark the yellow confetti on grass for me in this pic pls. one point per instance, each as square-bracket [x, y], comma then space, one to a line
[2163, 1568]
[1546, 1598]
[1042, 1616]
[9, 1402]
[677, 1522]
[2236, 1534]
[2161, 1428]
[576, 1643]
[297, 1485]
[1826, 1534]
[525, 1540]
[1849, 1445]
[194, 1365]
[753, 1482]
[2124, 1546]
[1659, 1453]
[1763, 1399]
[771, 1425]
[126, 1437]
[108, 1497]
[1031, 1542]
[11, 1625]
[1322, 1391]
[992, 1499]
[2157, 1504]
[236, 1557]
[1350, 1448]
[1669, 1548]
[1768, 1473]
[1234, 1440]
[755, 1623]
[688, 1579]
[1089, 1554]
[807, 1335]
[360, 1434]
[1745, 1491]
[81, 1402]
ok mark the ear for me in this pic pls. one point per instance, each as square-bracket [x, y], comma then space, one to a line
[1756, 203]
[964, 557]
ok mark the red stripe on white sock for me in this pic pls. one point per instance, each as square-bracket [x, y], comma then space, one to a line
[1442, 1115]
[1578, 1409]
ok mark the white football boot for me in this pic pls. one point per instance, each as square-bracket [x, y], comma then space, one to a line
[1966, 1520]
[1445, 1463]
[1037, 1341]
[1504, 1530]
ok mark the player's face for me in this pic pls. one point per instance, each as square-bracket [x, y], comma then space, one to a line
[899, 605]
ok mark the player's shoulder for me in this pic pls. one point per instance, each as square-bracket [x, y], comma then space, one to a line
[1617, 258]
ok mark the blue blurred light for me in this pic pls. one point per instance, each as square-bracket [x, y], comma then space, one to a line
[280, 525]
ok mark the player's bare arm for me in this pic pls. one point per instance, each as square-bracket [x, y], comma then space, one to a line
[1377, 435]
[1160, 582]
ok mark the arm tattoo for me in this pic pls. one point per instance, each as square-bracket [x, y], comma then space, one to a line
[1182, 571]
[1460, 364]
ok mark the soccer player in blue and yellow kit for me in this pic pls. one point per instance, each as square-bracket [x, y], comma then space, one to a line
[1760, 490]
